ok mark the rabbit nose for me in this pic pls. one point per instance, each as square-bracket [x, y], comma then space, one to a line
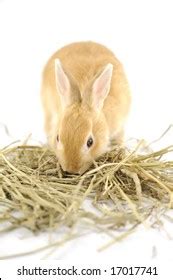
[68, 172]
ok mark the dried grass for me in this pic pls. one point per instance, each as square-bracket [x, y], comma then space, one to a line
[122, 188]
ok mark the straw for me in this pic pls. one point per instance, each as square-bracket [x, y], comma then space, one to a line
[120, 190]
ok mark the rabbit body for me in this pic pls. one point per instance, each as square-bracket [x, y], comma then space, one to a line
[86, 100]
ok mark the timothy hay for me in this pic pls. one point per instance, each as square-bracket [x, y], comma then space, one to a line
[121, 190]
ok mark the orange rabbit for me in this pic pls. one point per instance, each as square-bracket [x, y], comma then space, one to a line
[86, 100]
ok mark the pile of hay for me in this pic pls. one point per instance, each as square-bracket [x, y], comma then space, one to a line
[122, 188]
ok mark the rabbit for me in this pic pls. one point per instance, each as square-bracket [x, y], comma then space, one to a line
[86, 100]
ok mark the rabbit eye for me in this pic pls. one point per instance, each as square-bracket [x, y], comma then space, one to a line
[89, 142]
[57, 138]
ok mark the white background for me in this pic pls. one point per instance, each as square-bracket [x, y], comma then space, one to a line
[140, 34]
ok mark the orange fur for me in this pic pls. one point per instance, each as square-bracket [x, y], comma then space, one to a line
[82, 63]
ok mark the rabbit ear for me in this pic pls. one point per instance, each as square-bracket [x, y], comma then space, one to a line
[99, 88]
[62, 83]
[66, 86]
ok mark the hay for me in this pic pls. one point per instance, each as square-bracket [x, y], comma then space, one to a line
[122, 190]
